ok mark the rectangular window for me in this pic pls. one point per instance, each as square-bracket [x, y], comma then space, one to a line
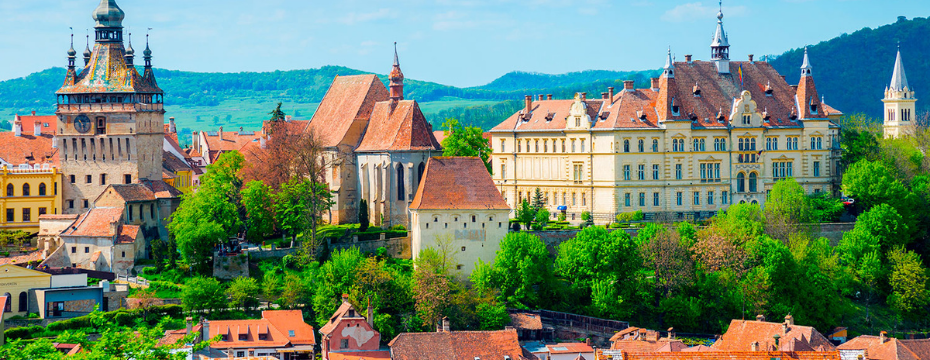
[655, 171]
[87, 249]
[679, 198]
[577, 172]
[89, 179]
[74, 249]
[503, 171]
[626, 199]
[703, 172]
[626, 172]
[641, 172]
[503, 148]
[71, 204]
[724, 197]
[642, 199]
[10, 215]
[103, 179]
[127, 179]
[582, 145]
[130, 212]
[27, 214]
[43, 211]
[816, 168]
[73, 180]
[717, 172]
[710, 198]
[86, 204]
[655, 199]
[697, 198]
[677, 171]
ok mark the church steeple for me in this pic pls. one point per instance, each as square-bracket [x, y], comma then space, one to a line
[87, 54]
[130, 53]
[397, 79]
[900, 103]
[806, 65]
[669, 69]
[71, 55]
[720, 46]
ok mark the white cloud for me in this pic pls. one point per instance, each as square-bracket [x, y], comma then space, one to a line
[697, 11]
[355, 18]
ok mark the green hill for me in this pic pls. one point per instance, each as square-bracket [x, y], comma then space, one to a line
[852, 70]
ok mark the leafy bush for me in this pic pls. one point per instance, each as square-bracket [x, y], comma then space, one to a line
[585, 215]
[561, 216]
[25, 332]
[398, 227]
[630, 216]
[614, 225]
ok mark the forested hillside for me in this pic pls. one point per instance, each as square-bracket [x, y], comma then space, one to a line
[852, 70]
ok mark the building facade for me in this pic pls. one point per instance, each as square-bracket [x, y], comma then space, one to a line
[705, 135]
[900, 104]
[110, 117]
[30, 178]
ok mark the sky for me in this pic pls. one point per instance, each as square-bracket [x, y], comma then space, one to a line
[454, 42]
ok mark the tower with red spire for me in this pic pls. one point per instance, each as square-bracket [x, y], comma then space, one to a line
[397, 80]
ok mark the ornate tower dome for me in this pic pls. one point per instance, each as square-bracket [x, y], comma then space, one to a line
[108, 14]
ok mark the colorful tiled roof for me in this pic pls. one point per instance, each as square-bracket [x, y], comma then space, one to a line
[890, 349]
[27, 149]
[457, 183]
[399, 126]
[741, 334]
[733, 355]
[350, 99]
[232, 140]
[107, 72]
[96, 222]
[458, 345]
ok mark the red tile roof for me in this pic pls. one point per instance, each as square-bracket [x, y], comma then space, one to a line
[334, 319]
[27, 149]
[49, 123]
[733, 355]
[171, 163]
[349, 99]
[457, 183]
[458, 345]
[440, 135]
[526, 321]
[291, 320]
[232, 140]
[548, 115]
[398, 127]
[276, 324]
[741, 334]
[96, 222]
[891, 349]
[21, 259]
[173, 336]
[128, 234]
[569, 348]
[360, 355]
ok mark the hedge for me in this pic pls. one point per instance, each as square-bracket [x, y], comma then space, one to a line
[388, 234]
[25, 332]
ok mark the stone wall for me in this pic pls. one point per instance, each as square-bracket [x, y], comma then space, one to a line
[230, 267]
[834, 231]
[397, 247]
[277, 253]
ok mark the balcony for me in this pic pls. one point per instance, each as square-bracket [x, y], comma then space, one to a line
[108, 107]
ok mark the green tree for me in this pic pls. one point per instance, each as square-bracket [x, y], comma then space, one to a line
[434, 289]
[908, 280]
[824, 208]
[465, 141]
[277, 114]
[886, 225]
[525, 214]
[363, 221]
[243, 293]
[203, 294]
[858, 144]
[539, 200]
[542, 218]
[597, 264]
[872, 183]
[522, 271]
[257, 199]
[299, 206]
[787, 202]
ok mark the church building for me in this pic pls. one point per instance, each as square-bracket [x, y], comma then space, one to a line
[704, 135]
[900, 103]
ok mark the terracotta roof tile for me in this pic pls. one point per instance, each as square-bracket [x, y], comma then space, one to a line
[361, 355]
[440, 135]
[161, 189]
[334, 319]
[21, 259]
[291, 320]
[741, 334]
[526, 321]
[232, 141]
[133, 192]
[49, 123]
[348, 100]
[171, 163]
[96, 222]
[128, 234]
[457, 345]
[457, 183]
[733, 355]
[891, 349]
[27, 149]
[548, 115]
[402, 128]
[569, 348]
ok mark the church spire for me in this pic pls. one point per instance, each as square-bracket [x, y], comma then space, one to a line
[720, 46]
[147, 53]
[130, 53]
[87, 52]
[397, 79]
[899, 78]
[806, 65]
[71, 54]
[669, 69]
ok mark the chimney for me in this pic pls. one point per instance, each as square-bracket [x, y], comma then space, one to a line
[750, 57]
[883, 337]
[445, 324]
[262, 142]
[190, 324]
[755, 346]
[671, 333]
[345, 298]
[114, 227]
[784, 326]
[542, 97]
[548, 96]
[588, 341]
[604, 95]
[171, 127]
[584, 96]
[205, 329]
[33, 113]
[17, 126]
[529, 104]
[371, 314]
[789, 319]
[221, 133]
[195, 140]
[655, 83]
[760, 317]
[610, 93]
[688, 58]
[628, 85]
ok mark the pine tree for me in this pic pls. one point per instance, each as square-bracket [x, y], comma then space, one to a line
[538, 200]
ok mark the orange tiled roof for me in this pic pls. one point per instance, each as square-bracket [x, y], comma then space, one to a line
[49, 123]
[733, 355]
[526, 321]
[232, 140]
[128, 234]
[22, 259]
[569, 348]
[741, 334]
[891, 349]
[349, 99]
[334, 319]
[457, 345]
[173, 336]
[360, 355]
[291, 320]
[548, 115]
[440, 135]
[457, 183]
[275, 324]
[27, 149]
[96, 222]
[402, 128]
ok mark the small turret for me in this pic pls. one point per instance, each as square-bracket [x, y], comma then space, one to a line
[669, 69]
[720, 46]
[397, 79]
[72, 54]
[87, 52]
[806, 65]
[130, 53]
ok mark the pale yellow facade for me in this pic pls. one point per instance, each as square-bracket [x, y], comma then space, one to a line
[15, 283]
[670, 172]
[28, 194]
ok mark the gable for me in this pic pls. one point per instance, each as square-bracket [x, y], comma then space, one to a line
[13, 271]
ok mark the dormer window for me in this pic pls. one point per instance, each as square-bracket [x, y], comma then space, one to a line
[696, 90]
[675, 108]
[747, 119]
[813, 108]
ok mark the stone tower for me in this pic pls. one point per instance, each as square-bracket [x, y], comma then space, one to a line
[899, 103]
[110, 117]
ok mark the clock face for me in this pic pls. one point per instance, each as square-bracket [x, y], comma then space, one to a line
[82, 123]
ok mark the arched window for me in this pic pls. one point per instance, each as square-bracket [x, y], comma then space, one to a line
[641, 149]
[9, 303]
[752, 182]
[741, 182]
[9, 190]
[401, 195]
[41, 189]
[23, 302]
[25, 189]
[420, 170]
[655, 145]
[626, 146]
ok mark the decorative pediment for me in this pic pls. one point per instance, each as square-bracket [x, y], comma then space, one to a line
[578, 114]
[744, 106]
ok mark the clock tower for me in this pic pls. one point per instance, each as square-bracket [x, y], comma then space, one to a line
[110, 117]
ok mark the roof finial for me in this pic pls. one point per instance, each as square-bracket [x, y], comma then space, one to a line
[806, 65]
[720, 14]
[396, 61]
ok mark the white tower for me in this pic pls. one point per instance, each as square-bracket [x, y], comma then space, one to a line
[899, 102]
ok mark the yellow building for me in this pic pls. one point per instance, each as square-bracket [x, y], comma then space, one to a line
[704, 135]
[30, 179]
[15, 283]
